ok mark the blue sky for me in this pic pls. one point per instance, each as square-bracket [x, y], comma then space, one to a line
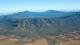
[38, 5]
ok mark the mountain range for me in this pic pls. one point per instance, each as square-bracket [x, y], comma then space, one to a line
[39, 24]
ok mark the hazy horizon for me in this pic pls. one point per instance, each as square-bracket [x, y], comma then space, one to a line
[10, 6]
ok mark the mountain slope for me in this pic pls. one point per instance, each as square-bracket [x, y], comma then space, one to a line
[39, 24]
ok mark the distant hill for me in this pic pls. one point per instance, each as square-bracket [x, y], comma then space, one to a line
[39, 24]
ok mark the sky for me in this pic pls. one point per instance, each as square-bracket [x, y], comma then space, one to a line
[38, 5]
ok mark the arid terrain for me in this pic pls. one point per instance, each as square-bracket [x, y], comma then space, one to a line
[72, 38]
[40, 28]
